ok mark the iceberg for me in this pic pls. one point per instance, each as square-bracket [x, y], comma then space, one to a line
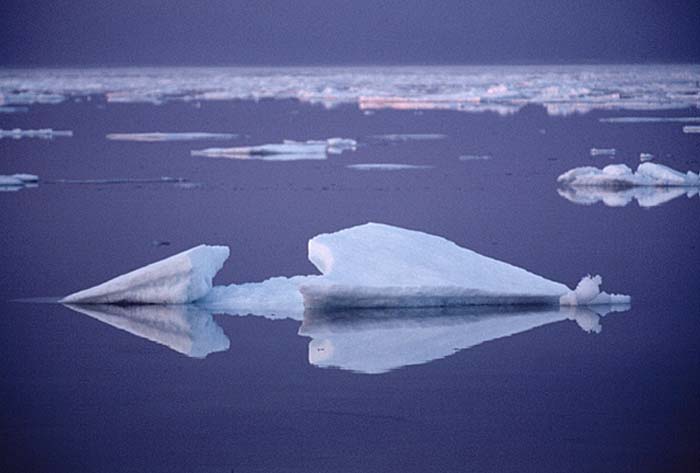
[619, 197]
[44, 133]
[375, 341]
[367, 266]
[186, 329]
[179, 279]
[621, 176]
[288, 150]
[386, 167]
[159, 137]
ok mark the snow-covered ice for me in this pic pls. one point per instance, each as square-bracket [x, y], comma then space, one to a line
[603, 151]
[620, 175]
[178, 136]
[375, 341]
[187, 329]
[386, 166]
[288, 150]
[179, 279]
[367, 266]
[645, 196]
[44, 133]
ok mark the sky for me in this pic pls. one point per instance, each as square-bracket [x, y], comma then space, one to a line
[266, 32]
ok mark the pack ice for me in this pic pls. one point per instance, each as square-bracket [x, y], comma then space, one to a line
[620, 175]
[367, 266]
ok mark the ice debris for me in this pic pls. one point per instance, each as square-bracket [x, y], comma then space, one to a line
[621, 176]
[603, 151]
[179, 136]
[44, 133]
[288, 150]
[386, 167]
[179, 279]
[367, 266]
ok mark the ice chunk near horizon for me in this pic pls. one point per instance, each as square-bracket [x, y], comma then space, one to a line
[621, 176]
[645, 196]
[691, 129]
[375, 341]
[603, 151]
[179, 279]
[386, 167]
[377, 265]
[44, 133]
[173, 136]
[288, 150]
[186, 329]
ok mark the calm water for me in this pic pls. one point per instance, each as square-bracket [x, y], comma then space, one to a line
[78, 394]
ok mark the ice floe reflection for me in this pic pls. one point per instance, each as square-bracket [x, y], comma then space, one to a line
[186, 329]
[380, 340]
[612, 197]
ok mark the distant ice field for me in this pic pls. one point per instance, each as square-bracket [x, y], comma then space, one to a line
[562, 90]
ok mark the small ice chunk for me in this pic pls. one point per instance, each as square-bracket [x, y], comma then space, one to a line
[691, 129]
[338, 145]
[588, 293]
[603, 151]
[398, 137]
[644, 157]
[45, 133]
[620, 175]
[10, 181]
[474, 157]
[179, 279]
[386, 167]
[174, 136]
[26, 177]
[286, 151]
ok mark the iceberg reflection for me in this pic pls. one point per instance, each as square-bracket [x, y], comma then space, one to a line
[380, 340]
[620, 197]
[186, 329]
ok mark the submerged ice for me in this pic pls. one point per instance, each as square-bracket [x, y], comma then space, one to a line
[621, 176]
[367, 266]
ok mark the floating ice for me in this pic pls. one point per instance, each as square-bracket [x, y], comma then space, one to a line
[16, 182]
[619, 197]
[474, 157]
[691, 129]
[187, 329]
[650, 120]
[125, 180]
[367, 266]
[621, 176]
[644, 157]
[179, 279]
[285, 151]
[603, 151]
[158, 136]
[44, 133]
[375, 341]
[385, 167]
[409, 137]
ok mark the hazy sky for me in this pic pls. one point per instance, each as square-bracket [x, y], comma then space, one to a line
[142, 32]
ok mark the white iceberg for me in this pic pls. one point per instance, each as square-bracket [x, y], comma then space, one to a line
[621, 176]
[375, 341]
[44, 133]
[288, 150]
[179, 136]
[367, 266]
[186, 329]
[386, 167]
[619, 197]
[179, 279]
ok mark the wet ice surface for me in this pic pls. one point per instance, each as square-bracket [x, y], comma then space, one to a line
[88, 392]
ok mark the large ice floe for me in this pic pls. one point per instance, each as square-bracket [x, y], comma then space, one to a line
[288, 150]
[367, 266]
[621, 176]
[156, 137]
[561, 90]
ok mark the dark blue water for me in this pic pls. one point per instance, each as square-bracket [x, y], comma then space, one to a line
[80, 395]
